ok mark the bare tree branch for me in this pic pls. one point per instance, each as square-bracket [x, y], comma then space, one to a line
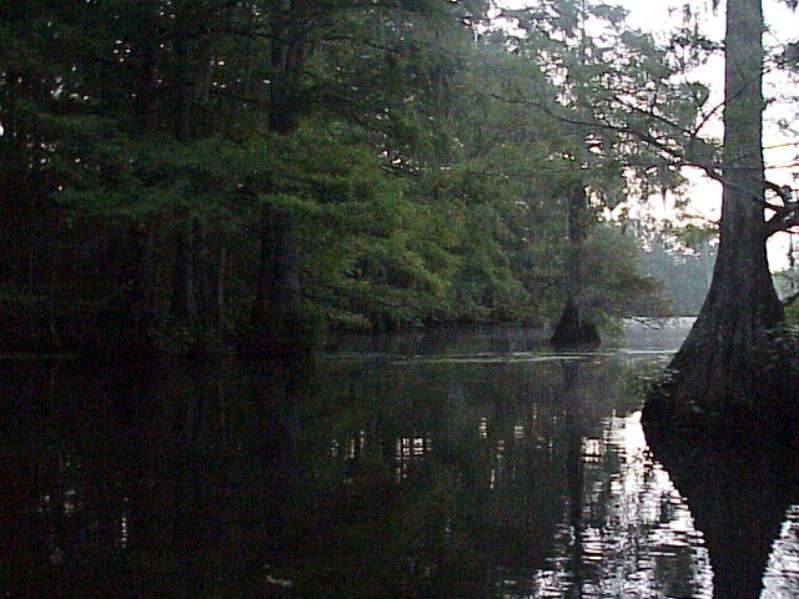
[785, 216]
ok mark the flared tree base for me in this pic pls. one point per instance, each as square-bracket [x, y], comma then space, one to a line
[723, 389]
[573, 330]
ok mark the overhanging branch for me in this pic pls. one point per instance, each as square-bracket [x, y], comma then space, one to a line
[785, 216]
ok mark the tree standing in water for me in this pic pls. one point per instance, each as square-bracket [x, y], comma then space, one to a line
[718, 361]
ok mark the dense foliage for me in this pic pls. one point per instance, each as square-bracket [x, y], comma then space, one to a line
[182, 175]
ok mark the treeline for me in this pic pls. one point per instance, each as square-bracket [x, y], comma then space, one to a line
[189, 175]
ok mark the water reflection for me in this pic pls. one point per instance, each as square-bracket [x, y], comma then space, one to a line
[520, 476]
[781, 579]
[629, 533]
[739, 490]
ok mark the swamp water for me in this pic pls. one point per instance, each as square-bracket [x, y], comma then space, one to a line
[446, 465]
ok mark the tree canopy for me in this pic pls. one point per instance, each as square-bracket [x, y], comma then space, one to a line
[178, 174]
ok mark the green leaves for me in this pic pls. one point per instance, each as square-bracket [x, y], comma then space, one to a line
[420, 168]
[610, 13]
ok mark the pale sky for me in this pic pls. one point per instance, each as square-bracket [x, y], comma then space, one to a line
[657, 16]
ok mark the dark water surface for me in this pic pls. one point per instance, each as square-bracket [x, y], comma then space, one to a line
[457, 465]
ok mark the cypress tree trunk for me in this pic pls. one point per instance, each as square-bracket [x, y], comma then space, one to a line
[716, 362]
[275, 318]
[147, 70]
[184, 296]
[194, 300]
[277, 325]
[278, 285]
[287, 58]
[142, 239]
[574, 328]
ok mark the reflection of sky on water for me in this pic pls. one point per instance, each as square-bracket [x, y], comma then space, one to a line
[518, 474]
[629, 533]
[638, 538]
[781, 580]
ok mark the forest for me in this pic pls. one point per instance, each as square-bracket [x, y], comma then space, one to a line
[189, 177]
[363, 298]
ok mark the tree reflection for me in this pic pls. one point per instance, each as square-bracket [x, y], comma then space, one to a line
[574, 407]
[120, 482]
[461, 478]
[781, 579]
[626, 531]
[738, 490]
